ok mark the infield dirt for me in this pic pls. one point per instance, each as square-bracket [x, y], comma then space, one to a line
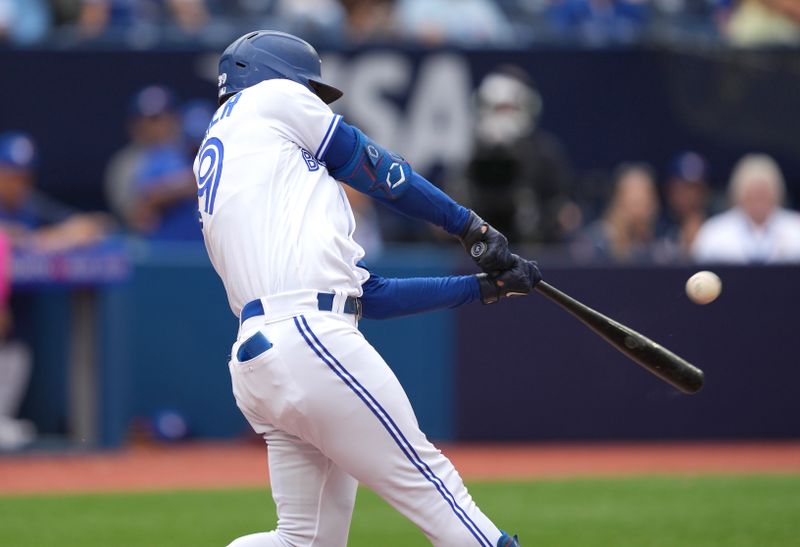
[226, 465]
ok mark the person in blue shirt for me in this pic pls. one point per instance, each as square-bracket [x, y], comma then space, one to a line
[165, 195]
[24, 22]
[599, 21]
[104, 18]
[151, 184]
[31, 219]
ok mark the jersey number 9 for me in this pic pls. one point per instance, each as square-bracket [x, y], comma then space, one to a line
[210, 172]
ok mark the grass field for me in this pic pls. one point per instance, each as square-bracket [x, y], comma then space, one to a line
[736, 511]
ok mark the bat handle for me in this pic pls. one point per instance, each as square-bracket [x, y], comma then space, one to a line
[547, 289]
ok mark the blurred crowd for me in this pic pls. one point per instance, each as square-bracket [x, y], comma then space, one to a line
[518, 177]
[149, 183]
[502, 23]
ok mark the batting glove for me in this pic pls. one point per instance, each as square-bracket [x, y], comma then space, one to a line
[487, 247]
[518, 280]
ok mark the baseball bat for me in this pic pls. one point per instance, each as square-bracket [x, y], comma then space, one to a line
[657, 359]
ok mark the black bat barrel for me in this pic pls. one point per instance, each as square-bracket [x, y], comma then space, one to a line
[650, 355]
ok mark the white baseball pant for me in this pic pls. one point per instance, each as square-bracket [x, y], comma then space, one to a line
[333, 414]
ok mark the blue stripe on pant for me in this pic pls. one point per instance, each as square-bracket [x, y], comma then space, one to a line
[390, 426]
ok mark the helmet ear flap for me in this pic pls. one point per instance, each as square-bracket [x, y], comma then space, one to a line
[223, 99]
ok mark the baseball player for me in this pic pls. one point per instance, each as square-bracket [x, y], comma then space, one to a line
[278, 229]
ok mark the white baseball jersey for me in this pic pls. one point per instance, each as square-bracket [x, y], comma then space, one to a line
[274, 220]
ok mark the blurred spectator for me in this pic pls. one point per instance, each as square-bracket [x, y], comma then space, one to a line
[599, 21]
[518, 176]
[311, 16]
[756, 229]
[687, 195]
[467, 22]
[761, 22]
[28, 217]
[165, 195]
[32, 221]
[249, 8]
[681, 20]
[195, 117]
[98, 16]
[15, 365]
[369, 19]
[152, 120]
[24, 22]
[149, 183]
[627, 231]
[5, 284]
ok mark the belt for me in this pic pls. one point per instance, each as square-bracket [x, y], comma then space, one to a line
[352, 305]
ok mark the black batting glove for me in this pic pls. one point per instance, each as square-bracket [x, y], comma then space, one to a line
[518, 280]
[487, 247]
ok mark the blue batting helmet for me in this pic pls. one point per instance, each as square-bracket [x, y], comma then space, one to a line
[266, 55]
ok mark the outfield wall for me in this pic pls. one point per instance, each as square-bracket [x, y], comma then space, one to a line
[521, 370]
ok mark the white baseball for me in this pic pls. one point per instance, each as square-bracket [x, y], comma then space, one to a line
[703, 287]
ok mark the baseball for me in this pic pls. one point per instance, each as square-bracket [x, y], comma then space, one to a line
[703, 287]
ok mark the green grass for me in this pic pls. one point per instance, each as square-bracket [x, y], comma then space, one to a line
[742, 511]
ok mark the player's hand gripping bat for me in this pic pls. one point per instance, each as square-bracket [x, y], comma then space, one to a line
[655, 358]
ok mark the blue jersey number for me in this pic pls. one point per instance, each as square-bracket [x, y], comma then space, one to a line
[210, 171]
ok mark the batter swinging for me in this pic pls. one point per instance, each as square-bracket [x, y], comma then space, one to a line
[278, 230]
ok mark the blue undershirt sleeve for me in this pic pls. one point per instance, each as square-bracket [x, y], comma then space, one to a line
[341, 148]
[419, 199]
[385, 298]
[424, 201]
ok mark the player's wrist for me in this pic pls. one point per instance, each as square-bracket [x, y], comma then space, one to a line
[471, 225]
[460, 220]
[489, 292]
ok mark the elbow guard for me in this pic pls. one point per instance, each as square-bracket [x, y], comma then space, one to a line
[374, 170]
